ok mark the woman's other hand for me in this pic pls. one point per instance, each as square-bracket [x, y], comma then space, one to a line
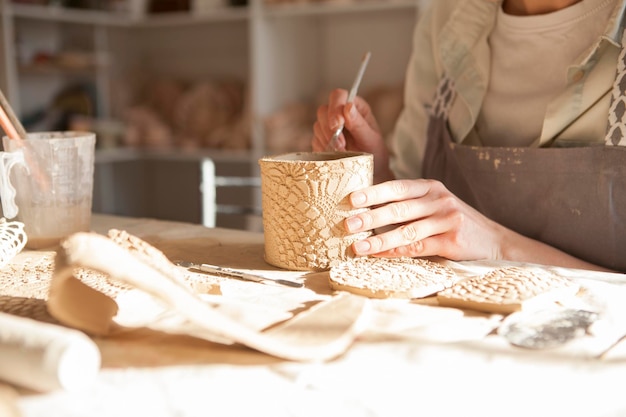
[360, 133]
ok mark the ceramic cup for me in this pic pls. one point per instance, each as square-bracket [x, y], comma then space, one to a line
[46, 182]
[305, 203]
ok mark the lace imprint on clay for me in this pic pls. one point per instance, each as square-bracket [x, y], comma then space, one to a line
[506, 290]
[155, 258]
[304, 206]
[391, 277]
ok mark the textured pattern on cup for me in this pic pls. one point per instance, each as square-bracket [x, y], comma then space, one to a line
[305, 203]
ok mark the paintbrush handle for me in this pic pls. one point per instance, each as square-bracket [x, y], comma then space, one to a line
[332, 145]
[7, 126]
[15, 131]
[359, 77]
[10, 123]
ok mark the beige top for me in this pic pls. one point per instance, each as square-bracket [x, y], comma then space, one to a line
[452, 38]
[530, 57]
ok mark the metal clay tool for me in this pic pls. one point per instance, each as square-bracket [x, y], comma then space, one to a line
[220, 270]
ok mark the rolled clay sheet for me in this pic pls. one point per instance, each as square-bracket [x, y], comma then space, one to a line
[322, 332]
[46, 357]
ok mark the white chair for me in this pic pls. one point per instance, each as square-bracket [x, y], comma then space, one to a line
[213, 185]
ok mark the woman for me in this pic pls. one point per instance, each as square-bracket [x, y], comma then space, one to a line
[505, 121]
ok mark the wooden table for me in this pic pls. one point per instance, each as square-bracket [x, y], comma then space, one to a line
[418, 367]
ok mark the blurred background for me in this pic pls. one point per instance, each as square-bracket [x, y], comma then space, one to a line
[186, 95]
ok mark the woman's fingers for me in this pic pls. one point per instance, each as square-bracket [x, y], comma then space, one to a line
[360, 123]
[360, 130]
[398, 197]
[329, 118]
[411, 204]
[414, 238]
[321, 140]
[428, 220]
[437, 245]
[336, 102]
[397, 190]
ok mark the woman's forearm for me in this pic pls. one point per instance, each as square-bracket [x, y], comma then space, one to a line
[518, 248]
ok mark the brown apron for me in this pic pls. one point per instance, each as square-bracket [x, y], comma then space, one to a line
[571, 198]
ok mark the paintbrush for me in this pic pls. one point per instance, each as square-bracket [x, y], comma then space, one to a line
[16, 132]
[10, 123]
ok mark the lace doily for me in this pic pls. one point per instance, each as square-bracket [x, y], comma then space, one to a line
[25, 287]
[26, 279]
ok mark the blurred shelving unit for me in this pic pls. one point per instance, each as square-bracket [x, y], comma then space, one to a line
[284, 53]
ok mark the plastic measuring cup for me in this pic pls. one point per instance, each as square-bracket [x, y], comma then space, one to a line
[46, 182]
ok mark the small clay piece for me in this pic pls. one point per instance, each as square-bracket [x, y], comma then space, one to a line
[391, 277]
[506, 290]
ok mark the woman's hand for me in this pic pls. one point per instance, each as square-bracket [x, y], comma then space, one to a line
[423, 218]
[360, 133]
[429, 221]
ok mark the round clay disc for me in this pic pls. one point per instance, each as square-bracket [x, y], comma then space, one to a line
[391, 277]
